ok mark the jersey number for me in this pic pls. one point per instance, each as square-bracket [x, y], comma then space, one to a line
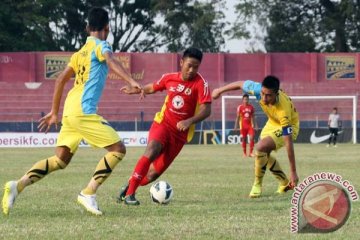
[80, 75]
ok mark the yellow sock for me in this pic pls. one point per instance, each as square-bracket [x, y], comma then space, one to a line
[20, 186]
[104, 169]
[42, 168]
[260, 167]
[88, 191]
[276, 170]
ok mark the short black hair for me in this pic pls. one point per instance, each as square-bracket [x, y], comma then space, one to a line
[271, 82]
[98, 18]
[193, 53]
[245, 95]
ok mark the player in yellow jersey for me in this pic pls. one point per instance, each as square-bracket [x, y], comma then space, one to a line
[80, 120]
[281, 129]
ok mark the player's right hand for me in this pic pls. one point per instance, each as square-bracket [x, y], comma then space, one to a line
[183, 125]
[46, 122]
[294, 179]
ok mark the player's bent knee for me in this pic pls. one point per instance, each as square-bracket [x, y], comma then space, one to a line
[121, 148]
[117, 147]
[260, 154]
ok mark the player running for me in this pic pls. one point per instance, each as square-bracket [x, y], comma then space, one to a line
[281, 129]
[80, 121]
[245, 119]
[188, 101]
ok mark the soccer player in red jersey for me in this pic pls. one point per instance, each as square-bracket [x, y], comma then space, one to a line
[188, 101]
[245, 119]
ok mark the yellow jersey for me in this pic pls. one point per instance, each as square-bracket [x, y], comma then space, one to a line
[91, 71]
[283, 113]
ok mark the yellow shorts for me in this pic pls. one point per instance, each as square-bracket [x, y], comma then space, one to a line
[95, 130]
[275, 132]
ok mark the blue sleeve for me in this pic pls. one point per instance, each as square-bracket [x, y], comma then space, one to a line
[252, 88]
[105, 47]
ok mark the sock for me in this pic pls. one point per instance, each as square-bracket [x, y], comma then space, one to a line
[144, 181]
[252, 143]
[244, 145]
[103, 170]
[260, 167]
[42, 168]
[276, 170]
[140, 171]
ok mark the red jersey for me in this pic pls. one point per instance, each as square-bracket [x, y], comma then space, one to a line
[182, 100]
[246, 114]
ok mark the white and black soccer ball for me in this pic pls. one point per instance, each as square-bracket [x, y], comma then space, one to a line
[161, 192]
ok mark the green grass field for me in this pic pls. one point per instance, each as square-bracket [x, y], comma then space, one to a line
[211, 184]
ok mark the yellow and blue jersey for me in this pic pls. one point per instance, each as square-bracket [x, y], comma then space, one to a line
[283, 113]
[91, 71]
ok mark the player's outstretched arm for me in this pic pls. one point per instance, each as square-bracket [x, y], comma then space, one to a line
[147, 89]
[52, 117]
[216, 93]
[291, 156]
[116, 66]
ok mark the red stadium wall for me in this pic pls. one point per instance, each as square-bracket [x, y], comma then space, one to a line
[300, 74]
[217, 68]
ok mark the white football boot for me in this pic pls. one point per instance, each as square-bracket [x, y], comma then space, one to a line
[10, 193]
[89, 202]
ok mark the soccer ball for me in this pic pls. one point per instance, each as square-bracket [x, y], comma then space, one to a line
[161, 192]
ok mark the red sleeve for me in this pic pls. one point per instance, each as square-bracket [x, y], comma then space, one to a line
[238, 110]
[160, 85]
[204, 95]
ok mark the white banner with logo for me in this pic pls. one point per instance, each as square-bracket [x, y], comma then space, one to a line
[130, 139]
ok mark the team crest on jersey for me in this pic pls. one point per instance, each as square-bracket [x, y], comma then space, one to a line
[187, 91]
[178, 102]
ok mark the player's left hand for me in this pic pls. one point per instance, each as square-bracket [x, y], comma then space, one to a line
[183, 125]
